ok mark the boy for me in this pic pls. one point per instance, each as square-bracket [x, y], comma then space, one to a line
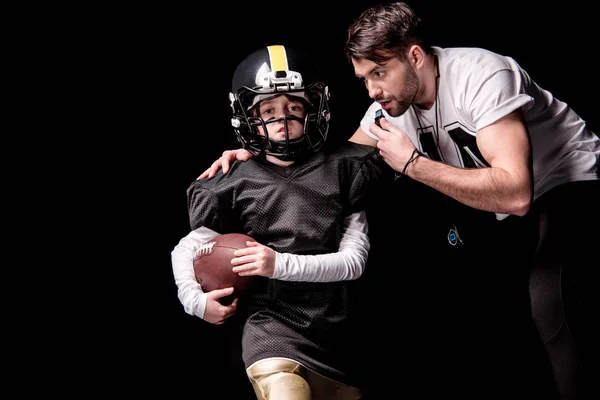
[304, 206]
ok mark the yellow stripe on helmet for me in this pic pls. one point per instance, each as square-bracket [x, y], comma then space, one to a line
[278, 58]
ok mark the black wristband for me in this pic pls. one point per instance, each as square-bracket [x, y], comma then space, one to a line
[415, 154]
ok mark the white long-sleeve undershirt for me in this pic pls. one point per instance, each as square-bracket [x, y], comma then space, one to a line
[346, 264]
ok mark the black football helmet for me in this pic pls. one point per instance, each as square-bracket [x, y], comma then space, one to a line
[271, 71]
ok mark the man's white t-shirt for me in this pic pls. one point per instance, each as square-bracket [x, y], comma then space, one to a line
[478, 87]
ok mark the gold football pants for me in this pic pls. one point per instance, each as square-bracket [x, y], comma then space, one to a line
[285, 379]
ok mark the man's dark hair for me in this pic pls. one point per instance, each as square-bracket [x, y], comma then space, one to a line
[384, 31]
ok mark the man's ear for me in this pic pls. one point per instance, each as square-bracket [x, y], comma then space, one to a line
[416, 55]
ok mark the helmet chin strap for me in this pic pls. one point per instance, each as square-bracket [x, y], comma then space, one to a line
[288, 149]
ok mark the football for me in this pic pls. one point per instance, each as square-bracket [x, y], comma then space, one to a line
[212, 263]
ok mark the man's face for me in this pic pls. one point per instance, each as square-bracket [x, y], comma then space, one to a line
[394, 84]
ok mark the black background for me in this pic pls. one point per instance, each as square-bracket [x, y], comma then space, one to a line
[160, 77]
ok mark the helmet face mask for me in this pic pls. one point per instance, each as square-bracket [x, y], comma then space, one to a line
[272, 71]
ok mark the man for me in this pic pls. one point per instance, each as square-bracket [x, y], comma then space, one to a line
[473, 125]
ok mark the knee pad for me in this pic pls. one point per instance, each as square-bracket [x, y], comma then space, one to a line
[276, 378]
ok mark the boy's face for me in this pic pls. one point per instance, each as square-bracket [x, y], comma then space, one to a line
[280, 107]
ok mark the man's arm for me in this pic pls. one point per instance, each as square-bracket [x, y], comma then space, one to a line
[505, 187]
[361, 137]
[224, 162]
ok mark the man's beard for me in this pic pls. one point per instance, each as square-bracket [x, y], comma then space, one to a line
[409, 92]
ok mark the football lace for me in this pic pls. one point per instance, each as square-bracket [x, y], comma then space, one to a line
[205, 249]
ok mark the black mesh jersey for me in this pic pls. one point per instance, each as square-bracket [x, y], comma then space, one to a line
[297, 209]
